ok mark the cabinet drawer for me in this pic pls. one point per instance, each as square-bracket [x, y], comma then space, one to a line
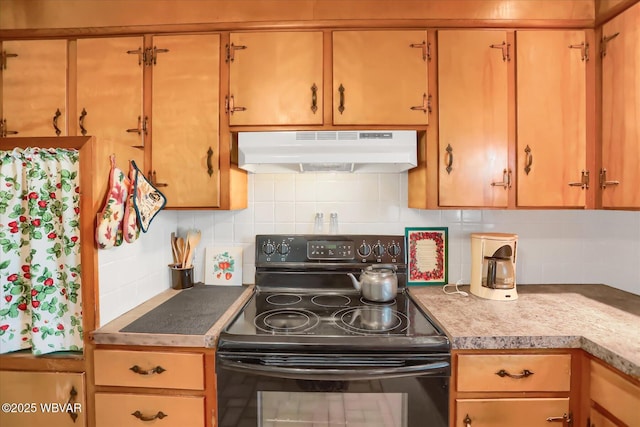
[614, 393]
[124, 410]
[509, 412]
[486, 372]
[149, 369]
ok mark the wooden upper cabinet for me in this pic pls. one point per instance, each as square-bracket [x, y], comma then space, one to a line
[110, 98]
[551, 118]
[34, 88]
[185, 119]
[275, 78]
[620, 48]
[380, 77]
[473, 118]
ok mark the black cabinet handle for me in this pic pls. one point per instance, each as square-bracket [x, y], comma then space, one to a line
[138, 370]
[160, 415]
[55, 122]
[525, 373]
[209, 164]
[71, 402]
[83, 114]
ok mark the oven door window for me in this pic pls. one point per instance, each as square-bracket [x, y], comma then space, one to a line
[331, 409]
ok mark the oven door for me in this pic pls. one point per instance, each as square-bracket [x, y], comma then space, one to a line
[332, 390]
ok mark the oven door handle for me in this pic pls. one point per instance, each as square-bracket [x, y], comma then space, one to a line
[440, 368]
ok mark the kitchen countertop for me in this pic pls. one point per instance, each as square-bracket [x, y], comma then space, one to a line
[601, 320]
[111, 332]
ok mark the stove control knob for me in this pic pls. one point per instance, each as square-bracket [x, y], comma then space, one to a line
[394, 249]
[283, 248]
[364, 250]
[268, 248]
[378, 250]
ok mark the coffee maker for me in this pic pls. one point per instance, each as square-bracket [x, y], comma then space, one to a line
[493, 266]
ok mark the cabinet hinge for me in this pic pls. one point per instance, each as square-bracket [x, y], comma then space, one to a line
[505, 47]
[142, 57]
[4, 132]
[603, 180]
[565, 419]
[584, 181]
[584, 50]
[426, 104]
[3, 59]
[426, 49]
[151, 55]
[231, 49]
[604, 41]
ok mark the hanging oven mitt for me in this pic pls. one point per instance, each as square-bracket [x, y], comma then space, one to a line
[130, 227]
[109, 226]
[147, 199]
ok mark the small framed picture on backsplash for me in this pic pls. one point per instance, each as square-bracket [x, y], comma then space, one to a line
[223, 266]
[427, 255]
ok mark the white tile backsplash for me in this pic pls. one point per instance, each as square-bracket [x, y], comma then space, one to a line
[555, 246]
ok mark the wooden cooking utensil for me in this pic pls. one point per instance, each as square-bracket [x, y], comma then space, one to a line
[193, 239]
[179, 250]
[174, 249]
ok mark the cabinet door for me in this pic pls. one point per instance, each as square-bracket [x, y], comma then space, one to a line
[36, 399]
[551, 123]
[110, 89]
[621, 110]
[510, 412]
[275, 78]
[34, 88]
[598, 419]
[617, 395]
[378, 76]
[185, 119]
[473, 132]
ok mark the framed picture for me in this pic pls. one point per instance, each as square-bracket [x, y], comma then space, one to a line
[427, 255]
[223, 266]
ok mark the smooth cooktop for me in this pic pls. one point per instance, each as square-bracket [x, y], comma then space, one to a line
[330, 314]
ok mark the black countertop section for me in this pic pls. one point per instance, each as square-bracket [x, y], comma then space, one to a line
[191, 312]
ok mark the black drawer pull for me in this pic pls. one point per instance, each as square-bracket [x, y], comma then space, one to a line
[160, 415]
[525, 373]
[138, 370]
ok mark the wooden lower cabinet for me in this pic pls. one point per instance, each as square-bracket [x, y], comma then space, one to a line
[528, 412]
[138, 386]
[511, 388]
[126, 409]
[614, 398]
[598, 419]
[35, 399]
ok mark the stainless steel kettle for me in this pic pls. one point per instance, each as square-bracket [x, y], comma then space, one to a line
[377, 283]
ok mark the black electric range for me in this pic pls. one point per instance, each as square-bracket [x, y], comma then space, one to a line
[308, 350]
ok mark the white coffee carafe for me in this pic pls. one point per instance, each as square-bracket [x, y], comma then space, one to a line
[493, 266]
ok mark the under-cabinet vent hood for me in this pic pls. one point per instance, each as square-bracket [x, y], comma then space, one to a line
[369, 151]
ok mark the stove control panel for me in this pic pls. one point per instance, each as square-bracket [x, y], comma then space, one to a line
[330, 249]
[318, 248]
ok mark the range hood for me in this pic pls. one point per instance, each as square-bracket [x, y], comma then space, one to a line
[366, 151]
